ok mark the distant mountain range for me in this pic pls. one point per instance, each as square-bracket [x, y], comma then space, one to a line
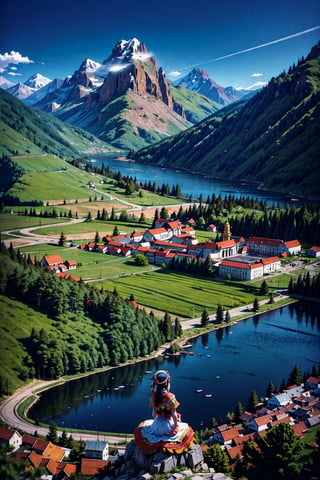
[272, 139]
[126, 100]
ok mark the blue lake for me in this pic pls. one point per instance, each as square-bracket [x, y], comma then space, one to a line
[228, 363]
[191, 184]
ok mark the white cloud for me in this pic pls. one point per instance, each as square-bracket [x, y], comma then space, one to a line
[174, 74]
[118, 68]
[254, 86]
[14, 73]
[13, 68]
[12, 58]
[256, 75]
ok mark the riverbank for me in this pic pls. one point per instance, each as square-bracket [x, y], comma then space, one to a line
[27, 395]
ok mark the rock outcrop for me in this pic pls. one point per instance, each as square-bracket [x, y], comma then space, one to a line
[139, 466]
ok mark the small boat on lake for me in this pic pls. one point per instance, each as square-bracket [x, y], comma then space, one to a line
[208, 395]
[199, 390]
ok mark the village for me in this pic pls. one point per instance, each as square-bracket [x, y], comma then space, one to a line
[171, 241]
[297, 405]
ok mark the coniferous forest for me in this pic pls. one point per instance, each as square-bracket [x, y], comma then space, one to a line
[110, 330]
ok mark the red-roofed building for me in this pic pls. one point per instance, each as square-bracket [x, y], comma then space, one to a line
[51, 261]
[240, 271]
[91, 467]
[125, 251]
[35, 459]
[71, 264]
[272, 246]
[137, 236]
[175, 247]
[154, 234]
[258, 424]
[28, 440]
[164, 256]
[11, 438]
[212, 228]
[40, 445]
[226, 437]
[54, 452]
[234, 452]
[227, 248]
[314, 252]
[312, 383]
[299, 429]
[174, 226]
[66, 276]
[293, 247]
[190, 230]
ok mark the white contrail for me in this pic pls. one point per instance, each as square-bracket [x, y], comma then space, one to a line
[283, 39]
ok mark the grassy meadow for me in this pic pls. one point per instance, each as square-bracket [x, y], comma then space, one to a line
[15, 222]
[180, 294]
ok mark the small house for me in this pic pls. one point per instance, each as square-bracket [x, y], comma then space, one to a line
[11, 438]
[97, 450]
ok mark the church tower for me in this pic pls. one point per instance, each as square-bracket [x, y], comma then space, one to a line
[226, 232]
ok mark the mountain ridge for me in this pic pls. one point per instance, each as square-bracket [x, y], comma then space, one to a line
[273, 139]
[101, 99]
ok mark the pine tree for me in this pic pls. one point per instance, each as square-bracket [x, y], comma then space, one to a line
[167, 327]
[62, 240]
[217, 458]
[256, 305]
[97, 238]
[219, 314]
[116, 231]
[227, 317]
[270, 389]
[204, 318]
[277, 455]
[238, 411]
[52, 434]
[253, 401]
[295, 377]
[264, 288]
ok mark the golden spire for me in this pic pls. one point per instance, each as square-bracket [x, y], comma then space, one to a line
[226, 232]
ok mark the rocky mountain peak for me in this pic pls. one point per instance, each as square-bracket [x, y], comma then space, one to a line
[129, 49]
[131, 67]
[89, 65]
[199, 81]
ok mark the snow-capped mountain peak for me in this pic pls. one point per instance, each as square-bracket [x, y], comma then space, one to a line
[4, 83]
[89, 65]
[37, 81]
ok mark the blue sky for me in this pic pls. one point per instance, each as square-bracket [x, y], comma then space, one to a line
[56, 35]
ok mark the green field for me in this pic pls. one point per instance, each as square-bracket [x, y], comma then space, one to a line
[180, 294]
[148, 199]
[14, 222]
[94, 226]
[93, 265]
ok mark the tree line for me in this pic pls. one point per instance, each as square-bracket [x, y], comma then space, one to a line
[305, 285]
[113, 331]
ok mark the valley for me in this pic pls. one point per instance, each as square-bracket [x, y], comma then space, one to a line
[207, 238]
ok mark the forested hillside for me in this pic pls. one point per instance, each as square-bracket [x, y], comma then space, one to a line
[27, 131]
[76, 328]
[274, 139]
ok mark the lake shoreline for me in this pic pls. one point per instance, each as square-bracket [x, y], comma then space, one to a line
[9, 407]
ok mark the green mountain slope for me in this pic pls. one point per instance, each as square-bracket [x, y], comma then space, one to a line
[196, 106]
[274, 139]
[25, 130]
[133, 121]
